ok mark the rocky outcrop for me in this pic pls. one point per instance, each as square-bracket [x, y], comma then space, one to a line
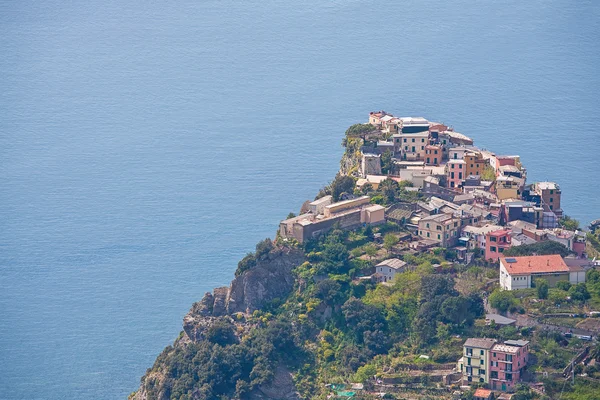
[281, 387]
[271, 278]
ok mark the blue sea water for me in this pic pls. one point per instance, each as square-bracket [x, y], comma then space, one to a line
[145, 147]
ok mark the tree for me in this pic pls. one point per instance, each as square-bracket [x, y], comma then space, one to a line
[221, 332]
[568, 223]
[341, 184]
[359, 129]
[387, 163]
[542, 288]
[388, 189]
[579, 292]
[370, 250]
[563, 285]
[365, 373]
[328, 290]
[546, 247]
[389, 241]
[502, 300]
[488, 174]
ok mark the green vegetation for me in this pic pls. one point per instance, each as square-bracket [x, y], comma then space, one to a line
[541, 286]
[503, 300]
[568, 223]
[540, 248]
[359, 129]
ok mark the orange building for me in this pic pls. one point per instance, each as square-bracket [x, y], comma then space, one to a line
[475, 164]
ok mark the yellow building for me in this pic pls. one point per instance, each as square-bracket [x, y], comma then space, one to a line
[411, 145]
[475, 360]
[442, 227]
[507, 187]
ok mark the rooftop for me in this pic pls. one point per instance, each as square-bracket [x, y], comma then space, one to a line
[534, 264]
[485, 393]
[505, 348]
[480, 343]
[547, 185]
[518, 343]
[324, 199]
[481, 230]
[393, 263]
[499, 319]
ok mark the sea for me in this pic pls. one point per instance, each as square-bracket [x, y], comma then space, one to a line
[146, 146]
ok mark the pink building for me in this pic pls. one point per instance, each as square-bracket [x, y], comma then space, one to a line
[455, 173]
[507, 362]
[496, 243]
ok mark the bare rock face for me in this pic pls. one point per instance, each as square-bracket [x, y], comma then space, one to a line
[220, 304]
[281, 387]
[269, 279]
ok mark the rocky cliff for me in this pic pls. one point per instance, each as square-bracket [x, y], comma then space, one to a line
[271, 278]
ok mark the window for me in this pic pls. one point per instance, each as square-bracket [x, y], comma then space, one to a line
[460, 177]
[493, 239]
[501, 249]
[481, 361]
[422, 147]
[508, 377]
[413, 140]
[422, 140]
[551, 206]
[508, 357]
[551, 199]
[481, 353]
[469, 353]
[551, 191]
[427, 234]
[413, 148]
[439, 237]
[494, 374]
[435, 152]
[492, 248]
[481, 380]
[482, 372]
[428, 161]
[404, 140]
[453, 166]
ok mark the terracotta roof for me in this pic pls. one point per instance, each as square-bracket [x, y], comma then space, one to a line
[485, 393]
[534, 264]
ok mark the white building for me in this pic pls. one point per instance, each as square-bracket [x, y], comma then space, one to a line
[386, 270]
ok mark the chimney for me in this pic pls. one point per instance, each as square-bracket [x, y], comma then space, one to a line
[529, 263]
[548, 261]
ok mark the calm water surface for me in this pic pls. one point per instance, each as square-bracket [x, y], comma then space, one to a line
[146, 147]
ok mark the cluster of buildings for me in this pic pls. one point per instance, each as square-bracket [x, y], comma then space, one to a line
[323, 214]
[477, 199]
[499, 365]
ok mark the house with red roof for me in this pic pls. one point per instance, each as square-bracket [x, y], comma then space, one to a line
[520, 272]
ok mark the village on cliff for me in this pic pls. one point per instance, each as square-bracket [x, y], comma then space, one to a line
[467, 200]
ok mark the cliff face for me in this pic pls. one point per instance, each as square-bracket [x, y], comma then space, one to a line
[271, 278]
